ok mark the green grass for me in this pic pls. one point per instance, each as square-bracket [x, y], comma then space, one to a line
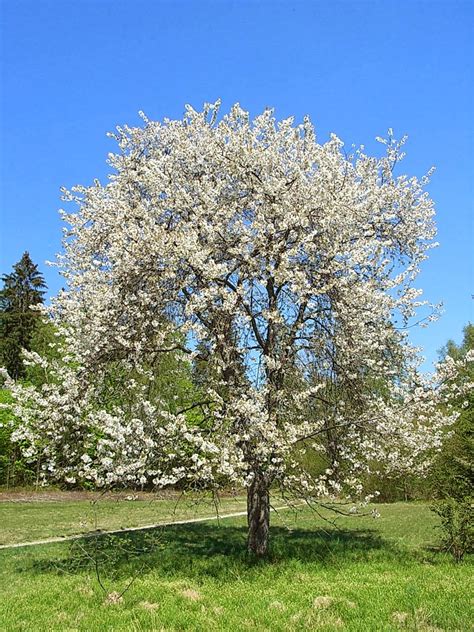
[363, 575]
[29, 521]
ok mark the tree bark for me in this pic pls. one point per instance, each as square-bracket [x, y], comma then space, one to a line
[258, 516]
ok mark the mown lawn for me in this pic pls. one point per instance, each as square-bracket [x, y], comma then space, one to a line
[43, 519]
[362, 575]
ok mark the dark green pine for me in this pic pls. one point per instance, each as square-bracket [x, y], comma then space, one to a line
[22, 289]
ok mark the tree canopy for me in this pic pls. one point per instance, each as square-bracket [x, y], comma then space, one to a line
[453, 472]
[284, 264]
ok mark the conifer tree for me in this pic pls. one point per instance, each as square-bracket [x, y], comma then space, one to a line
[22, 289]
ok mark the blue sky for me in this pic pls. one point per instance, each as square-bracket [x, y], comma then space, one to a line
[73, 70]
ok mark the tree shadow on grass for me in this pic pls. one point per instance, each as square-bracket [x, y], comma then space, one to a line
[209, 550]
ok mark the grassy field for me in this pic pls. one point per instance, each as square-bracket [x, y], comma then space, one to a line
[361, 575]
[41, 518]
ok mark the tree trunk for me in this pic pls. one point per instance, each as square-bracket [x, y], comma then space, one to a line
[258, 516]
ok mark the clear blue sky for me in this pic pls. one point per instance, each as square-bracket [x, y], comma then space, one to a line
[72, 70]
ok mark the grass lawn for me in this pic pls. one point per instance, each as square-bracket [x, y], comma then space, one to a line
[362, 575]
[41, 519]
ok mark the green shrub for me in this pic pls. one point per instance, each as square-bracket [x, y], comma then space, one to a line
[457, 525]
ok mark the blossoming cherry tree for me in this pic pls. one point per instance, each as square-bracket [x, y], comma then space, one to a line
[282, 266]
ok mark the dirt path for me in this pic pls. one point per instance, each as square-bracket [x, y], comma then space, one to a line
[130, 529]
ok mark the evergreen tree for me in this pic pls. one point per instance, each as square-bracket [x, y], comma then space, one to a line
[22, 289]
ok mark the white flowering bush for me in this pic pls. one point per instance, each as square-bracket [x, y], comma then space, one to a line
[282, 264]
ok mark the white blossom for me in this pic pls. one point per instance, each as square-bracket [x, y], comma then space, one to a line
[290, 260]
